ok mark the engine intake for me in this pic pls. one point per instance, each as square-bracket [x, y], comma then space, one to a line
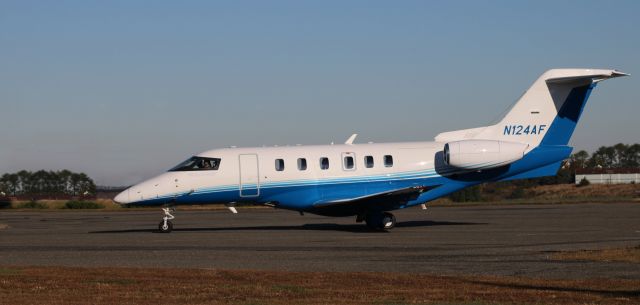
[482, 154]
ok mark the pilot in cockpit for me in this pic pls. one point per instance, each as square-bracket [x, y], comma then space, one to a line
[204, 164]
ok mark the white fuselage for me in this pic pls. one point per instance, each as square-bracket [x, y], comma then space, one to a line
[405, 161]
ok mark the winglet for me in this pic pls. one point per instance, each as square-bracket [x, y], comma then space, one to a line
[351, 139]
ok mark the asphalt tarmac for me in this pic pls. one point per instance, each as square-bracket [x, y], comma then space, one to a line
[468, 240]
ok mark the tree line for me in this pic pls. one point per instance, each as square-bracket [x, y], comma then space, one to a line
[46, 184]
[616, 156]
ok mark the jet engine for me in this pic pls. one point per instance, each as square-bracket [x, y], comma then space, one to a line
[482, 154]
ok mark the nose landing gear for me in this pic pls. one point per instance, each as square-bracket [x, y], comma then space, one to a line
[165, 226]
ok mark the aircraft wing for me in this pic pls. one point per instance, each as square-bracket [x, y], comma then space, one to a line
[387, 200]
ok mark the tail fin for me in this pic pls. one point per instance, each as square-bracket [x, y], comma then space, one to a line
[546, 114]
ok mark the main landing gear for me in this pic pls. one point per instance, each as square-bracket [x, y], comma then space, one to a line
[165, 226]
[379, 221]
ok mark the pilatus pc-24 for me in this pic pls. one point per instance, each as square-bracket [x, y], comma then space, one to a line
[370, 180]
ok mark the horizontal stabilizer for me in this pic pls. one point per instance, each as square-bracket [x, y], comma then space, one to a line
[596, 76]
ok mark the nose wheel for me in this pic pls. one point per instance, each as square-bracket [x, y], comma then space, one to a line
[166, 226]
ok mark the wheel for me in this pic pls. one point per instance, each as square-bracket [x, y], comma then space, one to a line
[165, 228]
[388, 221]
[380, 221]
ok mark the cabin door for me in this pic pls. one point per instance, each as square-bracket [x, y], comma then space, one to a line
[249, 176]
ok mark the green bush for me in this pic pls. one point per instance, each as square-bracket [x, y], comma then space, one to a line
[32, 205]
[75, 204]
[583, 182]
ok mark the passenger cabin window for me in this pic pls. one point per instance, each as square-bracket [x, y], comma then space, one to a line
[302, 164]
[368, 161]
[279, 165]
[324, 163]
[196, 163]
[388, 161]
[348, 162]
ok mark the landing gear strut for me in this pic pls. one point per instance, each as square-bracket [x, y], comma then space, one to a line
[380, 221]
[165, 225]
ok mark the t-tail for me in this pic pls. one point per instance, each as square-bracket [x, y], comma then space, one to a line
[542, 120]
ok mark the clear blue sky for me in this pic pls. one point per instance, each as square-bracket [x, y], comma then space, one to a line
[126, 89]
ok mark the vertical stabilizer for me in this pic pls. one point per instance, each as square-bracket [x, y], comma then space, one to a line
[547, 113]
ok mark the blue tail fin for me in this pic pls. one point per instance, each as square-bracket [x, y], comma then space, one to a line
[562, 127]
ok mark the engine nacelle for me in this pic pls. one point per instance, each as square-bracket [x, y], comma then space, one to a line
[482, 154]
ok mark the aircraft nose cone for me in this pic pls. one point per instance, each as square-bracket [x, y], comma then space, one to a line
[122, 198]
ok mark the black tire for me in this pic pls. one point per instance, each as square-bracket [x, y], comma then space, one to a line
[165, 229]
[388, 221]
[380, 221]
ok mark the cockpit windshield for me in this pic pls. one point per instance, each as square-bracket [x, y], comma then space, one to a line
[196, 163]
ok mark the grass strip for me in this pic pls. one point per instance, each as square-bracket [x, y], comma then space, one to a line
[62, 285]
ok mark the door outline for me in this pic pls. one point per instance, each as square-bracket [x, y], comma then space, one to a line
[246, 165]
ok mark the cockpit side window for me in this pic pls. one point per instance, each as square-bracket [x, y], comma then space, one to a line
[196, 163]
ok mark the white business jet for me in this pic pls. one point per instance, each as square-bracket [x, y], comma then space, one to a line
[369, 180]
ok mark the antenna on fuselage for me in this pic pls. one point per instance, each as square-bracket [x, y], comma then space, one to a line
[351, 139]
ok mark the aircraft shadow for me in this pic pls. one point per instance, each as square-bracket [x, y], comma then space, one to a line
[609, 293]
[354, 228]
